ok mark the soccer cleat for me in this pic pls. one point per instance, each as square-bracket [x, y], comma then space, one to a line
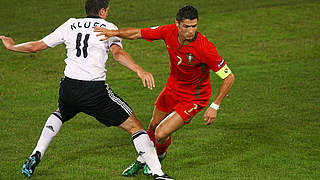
[146, 169]
[133, 168]
[163, 177]
[30, 164]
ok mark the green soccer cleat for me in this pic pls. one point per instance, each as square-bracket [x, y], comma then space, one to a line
[146, 169]
[30, 164]
[133, 168]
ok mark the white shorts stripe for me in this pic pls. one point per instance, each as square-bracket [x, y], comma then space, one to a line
[119, 101]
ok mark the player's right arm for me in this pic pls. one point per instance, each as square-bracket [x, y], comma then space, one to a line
[28, 47]
[126, 60]
[54, 39]
[125, 33]
[149, 34]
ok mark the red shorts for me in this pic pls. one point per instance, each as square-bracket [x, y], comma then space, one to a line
[168, 101]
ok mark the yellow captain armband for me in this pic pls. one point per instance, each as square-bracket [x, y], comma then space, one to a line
[224, 72]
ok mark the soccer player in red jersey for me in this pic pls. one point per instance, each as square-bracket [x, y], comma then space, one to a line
[188, 88]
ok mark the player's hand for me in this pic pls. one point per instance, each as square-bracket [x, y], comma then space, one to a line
[147, 79]
[103, 31]
[210, 115]
[8, 42]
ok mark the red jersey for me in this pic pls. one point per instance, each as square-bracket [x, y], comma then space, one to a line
[189, 64]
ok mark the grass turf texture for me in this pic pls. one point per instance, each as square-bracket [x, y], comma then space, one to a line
[267, 128]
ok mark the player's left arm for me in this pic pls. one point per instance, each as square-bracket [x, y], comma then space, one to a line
[126, 60]
[28, 47]
[211, 113]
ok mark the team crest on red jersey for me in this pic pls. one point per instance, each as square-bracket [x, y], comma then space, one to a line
[190, 58]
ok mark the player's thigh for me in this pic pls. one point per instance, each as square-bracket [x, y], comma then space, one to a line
[164, 105]
[132, 124]
[107, 107]
[169, 125]
[66, 94]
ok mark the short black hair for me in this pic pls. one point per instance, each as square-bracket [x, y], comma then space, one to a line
[93, 6]
[187, 12]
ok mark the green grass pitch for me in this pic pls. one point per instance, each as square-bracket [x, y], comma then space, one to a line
[267, 128]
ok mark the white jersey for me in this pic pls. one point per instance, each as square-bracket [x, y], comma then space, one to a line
[86, 54]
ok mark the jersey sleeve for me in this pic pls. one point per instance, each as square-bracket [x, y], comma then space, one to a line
[114, 40]
[56, 37]
[215, 61]
[153, 33]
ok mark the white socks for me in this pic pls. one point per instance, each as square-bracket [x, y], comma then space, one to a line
[146, 151]
[49, 131]
[141, 141]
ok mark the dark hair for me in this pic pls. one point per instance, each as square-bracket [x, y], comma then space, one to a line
[93, 6]
[187, 12]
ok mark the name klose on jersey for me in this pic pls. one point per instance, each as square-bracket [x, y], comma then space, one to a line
[86, 24]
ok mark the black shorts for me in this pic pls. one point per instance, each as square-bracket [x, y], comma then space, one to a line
[94, 98]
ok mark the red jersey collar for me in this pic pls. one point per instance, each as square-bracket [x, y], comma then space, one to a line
[194, 38]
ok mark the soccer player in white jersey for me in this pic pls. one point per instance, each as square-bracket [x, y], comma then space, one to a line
[83, 87]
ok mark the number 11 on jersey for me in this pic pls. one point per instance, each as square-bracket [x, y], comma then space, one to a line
[85, 45]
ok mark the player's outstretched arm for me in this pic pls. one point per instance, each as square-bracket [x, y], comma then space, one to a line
[126, 60]
[32, 46]
[211, 113]
[126, 33]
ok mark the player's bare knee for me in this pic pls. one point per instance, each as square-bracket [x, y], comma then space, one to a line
[161, 136]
